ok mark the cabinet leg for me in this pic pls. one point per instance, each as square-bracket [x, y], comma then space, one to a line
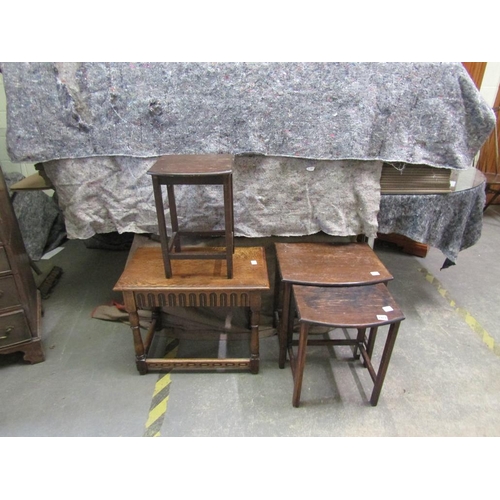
[33, 353]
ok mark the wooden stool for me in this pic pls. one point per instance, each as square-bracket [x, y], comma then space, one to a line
[193, 170]
[358, 307]
[320, 264]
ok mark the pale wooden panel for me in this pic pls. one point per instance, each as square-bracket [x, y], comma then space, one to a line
[488, 161]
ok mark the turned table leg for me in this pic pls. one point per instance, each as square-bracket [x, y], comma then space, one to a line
[255, 306]
[140, 355]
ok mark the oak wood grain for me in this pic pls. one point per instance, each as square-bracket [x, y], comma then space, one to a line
[145, 271]
[350, 307]
[330, 264]
[172, 165]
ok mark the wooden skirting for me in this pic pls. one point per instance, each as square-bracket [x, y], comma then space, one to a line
[406, 244]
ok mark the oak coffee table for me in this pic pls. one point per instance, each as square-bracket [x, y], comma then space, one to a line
[194, 283]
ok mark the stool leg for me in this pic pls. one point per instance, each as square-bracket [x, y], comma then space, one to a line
[384, 362]
[278, 293]
[290, 320]
[173, 217]
[283, 327]
[231, 205]
[162, 227]
[300, 363]
[229, 224]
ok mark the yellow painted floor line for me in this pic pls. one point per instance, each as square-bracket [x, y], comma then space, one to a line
[161, 393]
[473, 324]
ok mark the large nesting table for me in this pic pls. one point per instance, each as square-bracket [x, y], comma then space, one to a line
[321, 265]
[194, 283]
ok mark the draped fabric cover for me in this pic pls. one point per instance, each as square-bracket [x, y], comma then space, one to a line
[428, 113]
[273, 196]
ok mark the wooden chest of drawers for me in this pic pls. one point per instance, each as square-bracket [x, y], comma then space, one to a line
[20, 303]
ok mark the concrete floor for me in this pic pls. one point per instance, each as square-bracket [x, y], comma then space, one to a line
[443, 380]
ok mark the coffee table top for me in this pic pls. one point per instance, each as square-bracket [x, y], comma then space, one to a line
[330, 264]
[145, 271]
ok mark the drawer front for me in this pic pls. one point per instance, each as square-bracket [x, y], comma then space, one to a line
[13, 329]
[8, 293]
[4, 261]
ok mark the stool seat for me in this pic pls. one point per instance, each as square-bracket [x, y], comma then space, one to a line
[362, 307]
[172, 170]
[192, 165]
[321, 264]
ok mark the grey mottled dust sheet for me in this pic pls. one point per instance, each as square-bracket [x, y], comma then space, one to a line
[428, 113]
[273, 196]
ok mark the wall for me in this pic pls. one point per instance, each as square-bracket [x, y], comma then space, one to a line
[489, 88]
[491, 81]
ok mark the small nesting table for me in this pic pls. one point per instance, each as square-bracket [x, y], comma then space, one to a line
[195, 283]
[171, 170]
[359, 307]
